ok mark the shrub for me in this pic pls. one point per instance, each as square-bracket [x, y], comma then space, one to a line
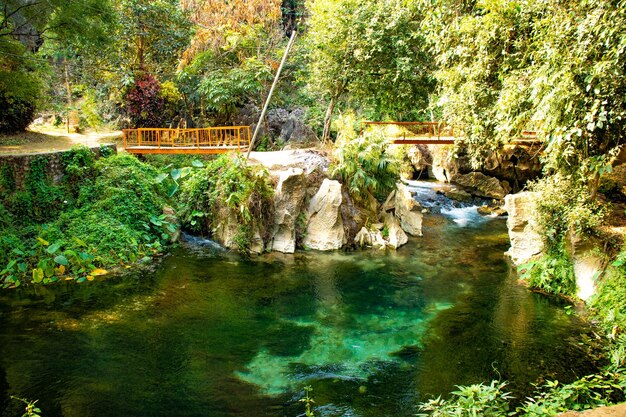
[144, 103]
[609, 303]
[365, 163]
[473, 400]
[16, 114]
[553, 273]
[116, 217]
[228, 188]
[566, 205]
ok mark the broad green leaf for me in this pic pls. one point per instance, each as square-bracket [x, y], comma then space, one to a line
[161, 177]
[197, 163]
[54, 247]
[184, 172]
[61, 260]
[173, 189]
[176, 174]
[37, 275]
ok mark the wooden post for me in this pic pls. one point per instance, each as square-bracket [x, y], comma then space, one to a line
[138, 137]
[269, 96]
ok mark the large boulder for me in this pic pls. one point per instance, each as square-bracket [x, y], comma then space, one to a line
[295, 132]
[612, 411]
[481, 185]
[324, 223]
[307, 159]
[516, 164]
[396, 236]
[588, 264]
[408, 211]
[288, 202]
[285, 126]
[526, 242]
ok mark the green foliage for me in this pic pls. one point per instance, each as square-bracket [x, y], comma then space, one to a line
[308, 401]
[113, 215]
[79, 163]
[565, 204]
[473, 400]
[553, 273]
[228, 190]
[588, 392]
[149, 36]
[609, 303]
[31, 409]
[20, 86]
[503, 67]
[373, 53]
[219, 81]
[39, 201]
[365, 163]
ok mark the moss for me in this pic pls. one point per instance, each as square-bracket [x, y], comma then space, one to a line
[228, 188]
[113, 216]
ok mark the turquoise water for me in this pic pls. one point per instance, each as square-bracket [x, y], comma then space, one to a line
[207, 333]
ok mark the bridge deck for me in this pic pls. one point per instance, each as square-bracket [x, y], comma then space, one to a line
[212, 140]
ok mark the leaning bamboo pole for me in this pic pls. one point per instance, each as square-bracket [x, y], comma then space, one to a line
[269, 96]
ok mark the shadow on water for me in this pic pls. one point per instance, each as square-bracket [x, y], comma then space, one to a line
[210, 334]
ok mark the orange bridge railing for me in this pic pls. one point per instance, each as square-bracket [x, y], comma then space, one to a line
[181, 141]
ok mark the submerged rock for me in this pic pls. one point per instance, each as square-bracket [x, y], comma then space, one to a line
[458, 195]
[526, 242]
[324, 224]
[481, 185]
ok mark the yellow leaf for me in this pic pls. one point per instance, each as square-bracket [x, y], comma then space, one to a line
[89, 277]
[60, 270]
[43, 242]
[99, 272]
[69, 279]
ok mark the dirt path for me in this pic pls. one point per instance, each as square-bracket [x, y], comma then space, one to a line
[47, 138]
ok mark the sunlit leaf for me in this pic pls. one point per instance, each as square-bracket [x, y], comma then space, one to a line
[54, 247]
[160, 178]
[61, 260]
[37, 275]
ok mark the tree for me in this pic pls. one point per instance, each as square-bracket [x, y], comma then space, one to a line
[25, 27]
[231, 57]
[557, 66]
[216, 19]
[151, 35]
[372, 52]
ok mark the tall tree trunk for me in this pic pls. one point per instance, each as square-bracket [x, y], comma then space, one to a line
[328, 119]
[69, 94]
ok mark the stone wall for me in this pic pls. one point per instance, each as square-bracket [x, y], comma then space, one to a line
[20, 164]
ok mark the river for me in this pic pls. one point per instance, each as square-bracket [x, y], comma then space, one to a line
[207, 333]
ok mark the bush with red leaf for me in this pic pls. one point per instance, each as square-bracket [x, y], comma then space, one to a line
[144, 103]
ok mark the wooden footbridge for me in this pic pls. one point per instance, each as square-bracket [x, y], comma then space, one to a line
[215, 140]
[427, 133]
[211, 140]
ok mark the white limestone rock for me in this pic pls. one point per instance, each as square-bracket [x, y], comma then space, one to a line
[288, 201]
[526, 242]
[324, 226]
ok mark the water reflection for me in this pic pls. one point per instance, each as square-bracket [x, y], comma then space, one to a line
[208, 333]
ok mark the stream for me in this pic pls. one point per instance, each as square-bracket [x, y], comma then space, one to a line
[208, 333]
